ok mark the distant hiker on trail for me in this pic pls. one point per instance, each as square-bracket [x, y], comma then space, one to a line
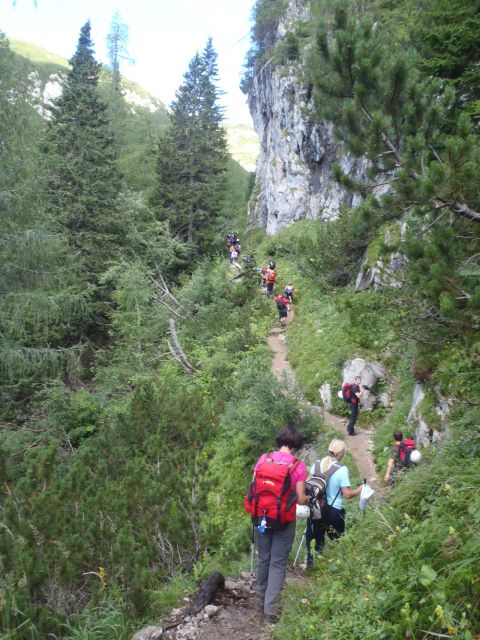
[352, 394]
[338, 487]
[400, 454]
[288, 293]
[271, 263]
[233, 254]
[263, 277]
[270, 278]
[281, 303]
[278, 480]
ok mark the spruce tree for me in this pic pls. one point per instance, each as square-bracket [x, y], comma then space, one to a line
[84, 180]
[192, 157]
[42, 304]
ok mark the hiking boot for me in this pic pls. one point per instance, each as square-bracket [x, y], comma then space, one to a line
[270, 618]
[353, 433]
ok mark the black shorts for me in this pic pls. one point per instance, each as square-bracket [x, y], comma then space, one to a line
[283, 313]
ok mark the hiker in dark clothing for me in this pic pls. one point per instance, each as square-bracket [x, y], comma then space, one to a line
[281, 303]
[356, 394]
[400, 454]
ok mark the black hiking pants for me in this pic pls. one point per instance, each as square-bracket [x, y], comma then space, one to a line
[333, 524]
[353, 418]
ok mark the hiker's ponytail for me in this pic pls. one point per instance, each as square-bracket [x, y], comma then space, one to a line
[336, 451]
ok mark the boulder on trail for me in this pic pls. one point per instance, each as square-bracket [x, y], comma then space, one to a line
[149, 633]
[369, 372]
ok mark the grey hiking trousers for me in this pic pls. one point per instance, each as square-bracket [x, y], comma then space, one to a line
[273, 549]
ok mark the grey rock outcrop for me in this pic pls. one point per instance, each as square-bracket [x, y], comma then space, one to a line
[424, 433]
[370, 373]
[293, 176]
[387, 271]
[326, 396]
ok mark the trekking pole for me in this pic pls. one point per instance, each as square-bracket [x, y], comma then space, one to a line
[299, 547]
[252, 560]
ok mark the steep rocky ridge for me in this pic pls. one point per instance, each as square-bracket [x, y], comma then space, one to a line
[48, 71]
[293, 178]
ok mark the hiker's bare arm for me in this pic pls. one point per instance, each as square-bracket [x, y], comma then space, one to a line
[348, 493]
[388, 472]
[302, 496]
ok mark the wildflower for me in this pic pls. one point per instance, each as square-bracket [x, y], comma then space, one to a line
[452, 631]
[447, 487]
[439, 612]
[451, 531]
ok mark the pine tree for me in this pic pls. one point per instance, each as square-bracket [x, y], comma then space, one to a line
[41, 302]
[418, 146]
[192, 157]
[84, 181]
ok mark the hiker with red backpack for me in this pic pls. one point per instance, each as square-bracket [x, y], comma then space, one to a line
[327, 485]
[278, 486]
[400, 454]
[282, 307]
[351, 394]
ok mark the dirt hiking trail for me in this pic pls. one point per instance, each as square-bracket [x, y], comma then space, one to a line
[360, 446]
[233, 613]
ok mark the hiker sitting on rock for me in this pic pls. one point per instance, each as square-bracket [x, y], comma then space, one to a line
[338, 487]
[273, 513]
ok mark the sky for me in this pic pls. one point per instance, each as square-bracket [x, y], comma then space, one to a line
[164, 35]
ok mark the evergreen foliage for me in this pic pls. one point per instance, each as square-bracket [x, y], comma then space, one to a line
[41, 304]
[84, 181]
[425, 152]
[192, 157]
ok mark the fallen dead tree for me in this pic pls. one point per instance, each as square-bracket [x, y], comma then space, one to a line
[176, 350]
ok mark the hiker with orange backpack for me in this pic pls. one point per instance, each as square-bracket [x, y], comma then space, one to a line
[270, 278]
[400, 454]
[278, 485]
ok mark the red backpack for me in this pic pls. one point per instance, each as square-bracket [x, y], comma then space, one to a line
[404, 450]
[271, 495]
[348, 394]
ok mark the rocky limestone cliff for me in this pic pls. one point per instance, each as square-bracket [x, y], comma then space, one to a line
[293, 176]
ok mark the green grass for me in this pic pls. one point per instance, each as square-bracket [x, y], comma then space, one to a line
[38, 55]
